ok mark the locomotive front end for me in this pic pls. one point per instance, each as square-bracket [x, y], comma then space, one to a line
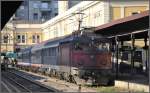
[93, 59]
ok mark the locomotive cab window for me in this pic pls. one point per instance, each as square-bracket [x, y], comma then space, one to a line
[103, 46]
[78, 46]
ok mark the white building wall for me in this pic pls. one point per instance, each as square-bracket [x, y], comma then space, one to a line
[95, 13]
[63, 6]
[67, 21]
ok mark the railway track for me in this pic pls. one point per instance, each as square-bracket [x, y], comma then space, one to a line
[17, 83]
[35, 77]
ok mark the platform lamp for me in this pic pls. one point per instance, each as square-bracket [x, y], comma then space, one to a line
[79, 18]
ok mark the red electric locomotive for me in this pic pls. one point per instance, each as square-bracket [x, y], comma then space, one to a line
[82, 57]
[87, 58]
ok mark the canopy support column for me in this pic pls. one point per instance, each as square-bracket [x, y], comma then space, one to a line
[113, 54]
[132, 52]
[122, 43]
[146, 50]
[117, 55]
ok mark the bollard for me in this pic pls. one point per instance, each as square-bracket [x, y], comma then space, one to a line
[79, 87]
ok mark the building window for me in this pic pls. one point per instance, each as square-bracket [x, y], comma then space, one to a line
[133, 13]
[44, 5]
[45, 15]
[38, 38]
[35, 39]
[22, 7]
[23, 38]
[97, 14]
[85, 21]
[55, 32]
[35, 5]
[97, 18]
[18, 39]
[5, 38]
[55, 4]
[35, 16]
[56, 14]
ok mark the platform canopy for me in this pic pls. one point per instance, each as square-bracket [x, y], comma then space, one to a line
[137, 24]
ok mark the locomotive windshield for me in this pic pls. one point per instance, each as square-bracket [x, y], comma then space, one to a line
[91, 45]
[103, 46]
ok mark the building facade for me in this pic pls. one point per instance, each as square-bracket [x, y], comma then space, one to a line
[22, 35]
[37, 10]
[7, 36]
[91, 13]
[40, 10]
[27, 34]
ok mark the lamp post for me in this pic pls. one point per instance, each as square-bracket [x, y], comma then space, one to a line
[80, 17]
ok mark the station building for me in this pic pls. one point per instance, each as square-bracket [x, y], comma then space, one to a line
[27, 33]
[22, 35]
[7, 38]
[94, 14]
[91, 14]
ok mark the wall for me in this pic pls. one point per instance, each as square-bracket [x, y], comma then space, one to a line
[28, 30]
[95, 13]
[123, 9]
[7, 30]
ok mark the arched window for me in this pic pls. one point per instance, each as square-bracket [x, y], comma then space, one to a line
[33, 39]
[38, 38]
[5, 37]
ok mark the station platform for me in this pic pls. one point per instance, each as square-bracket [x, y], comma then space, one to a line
[133, 82]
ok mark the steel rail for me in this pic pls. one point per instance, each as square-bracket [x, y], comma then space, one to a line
[42, 86]
[19, 84]
[6, 87]
[9, 84]
[51, 81]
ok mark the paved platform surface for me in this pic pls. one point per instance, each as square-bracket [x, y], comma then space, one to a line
[133, 82]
